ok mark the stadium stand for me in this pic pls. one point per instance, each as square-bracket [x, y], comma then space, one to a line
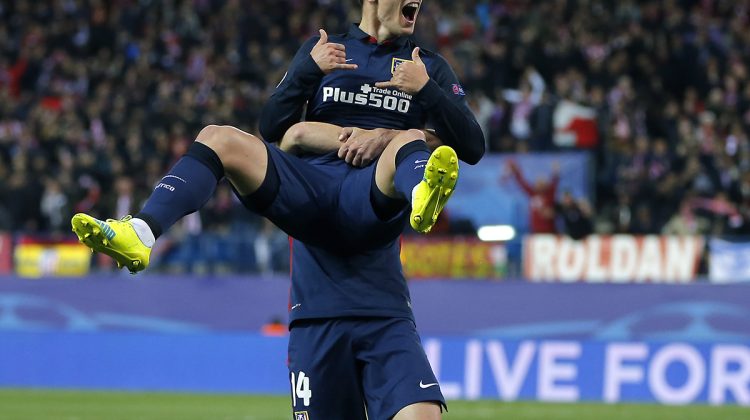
[103, 96]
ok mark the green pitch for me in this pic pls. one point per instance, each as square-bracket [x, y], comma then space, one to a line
[85, 405]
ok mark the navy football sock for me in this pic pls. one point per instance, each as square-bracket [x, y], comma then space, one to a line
[411, 160]
[185, 189]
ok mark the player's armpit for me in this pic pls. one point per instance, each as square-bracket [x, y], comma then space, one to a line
[311, 137]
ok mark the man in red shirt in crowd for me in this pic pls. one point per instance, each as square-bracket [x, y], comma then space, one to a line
[541, 198]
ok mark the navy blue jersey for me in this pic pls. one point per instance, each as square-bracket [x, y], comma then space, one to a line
[349, 98]
[345, 261]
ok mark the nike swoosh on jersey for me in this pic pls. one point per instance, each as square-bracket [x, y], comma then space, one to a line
[425, 386]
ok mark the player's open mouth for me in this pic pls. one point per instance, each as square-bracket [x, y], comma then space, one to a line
[409, 11]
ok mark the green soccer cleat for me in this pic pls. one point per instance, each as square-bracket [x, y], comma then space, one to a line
[115, 238]
[429, 196]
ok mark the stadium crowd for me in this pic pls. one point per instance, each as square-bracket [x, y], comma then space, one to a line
[98, 98]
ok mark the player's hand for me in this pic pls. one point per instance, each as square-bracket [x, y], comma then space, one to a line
[409, 77]
[360, 147]
[330, 56]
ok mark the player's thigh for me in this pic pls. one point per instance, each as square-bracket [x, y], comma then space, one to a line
[397, 377]
[325, 382]
[420, 411]
[297, 196]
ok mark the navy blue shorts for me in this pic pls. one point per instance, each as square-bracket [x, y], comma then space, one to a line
[337, 367]
[325, 202]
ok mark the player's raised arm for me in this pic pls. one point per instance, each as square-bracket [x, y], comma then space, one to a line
[316, 58]
[445, 102]
[284, 107]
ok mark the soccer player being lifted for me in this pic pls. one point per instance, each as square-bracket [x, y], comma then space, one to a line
[358, 170]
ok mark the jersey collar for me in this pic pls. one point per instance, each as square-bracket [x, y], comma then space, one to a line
[357, 33]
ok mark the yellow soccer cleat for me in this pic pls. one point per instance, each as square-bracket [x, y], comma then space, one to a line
[429, 196]
[115, 238]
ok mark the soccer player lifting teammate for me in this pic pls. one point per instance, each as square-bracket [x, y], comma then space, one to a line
[343, 187]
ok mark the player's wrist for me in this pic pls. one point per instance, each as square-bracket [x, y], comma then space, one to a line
[421, 85]
[430, 94]
[388, 133]
[310, 69]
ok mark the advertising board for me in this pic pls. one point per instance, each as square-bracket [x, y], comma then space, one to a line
[616, 259]
[455, 257]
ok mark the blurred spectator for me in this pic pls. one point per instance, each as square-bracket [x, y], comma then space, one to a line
[524, 100]
[575, 216]
[124, 199]
[54, 207]
[541, 198]
[685, 222]
[275, 327]
[723, 214]
[267, 241]
[217, 214]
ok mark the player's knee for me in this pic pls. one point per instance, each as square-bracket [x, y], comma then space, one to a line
[415, 134]
[211, 135]
[406, 137]
[409, 136]
[223, 139]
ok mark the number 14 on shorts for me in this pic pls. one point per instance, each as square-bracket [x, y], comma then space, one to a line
[301, 389]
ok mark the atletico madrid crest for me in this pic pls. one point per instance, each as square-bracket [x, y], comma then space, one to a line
[397, 62]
